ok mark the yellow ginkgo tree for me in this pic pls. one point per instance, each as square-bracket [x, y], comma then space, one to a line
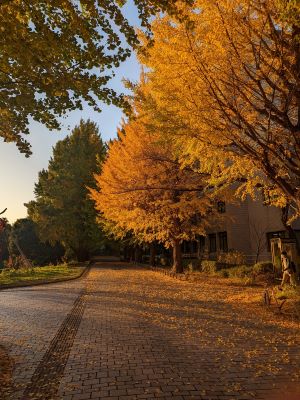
[231, 76]
[144, 190]
[57, 55]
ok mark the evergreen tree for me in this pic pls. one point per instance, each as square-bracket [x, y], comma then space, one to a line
[24, 233]
[61, 209]
[4, 253]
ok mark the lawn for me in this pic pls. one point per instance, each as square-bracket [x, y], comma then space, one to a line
[39, 274]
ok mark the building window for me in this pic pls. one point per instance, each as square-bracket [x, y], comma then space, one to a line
[223, 244]
[185, 247]
[221, 207]
[194, 247]
[189, 247]
[297, 234]
[212, 242]
[271, 235]
[201, 242]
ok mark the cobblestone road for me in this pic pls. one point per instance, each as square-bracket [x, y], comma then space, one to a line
[126, 333]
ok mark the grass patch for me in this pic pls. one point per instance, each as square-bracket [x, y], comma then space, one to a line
[10, 277]
[239, 275]
[241, 271]
[243, 275]
[289, 292]
[292, 295]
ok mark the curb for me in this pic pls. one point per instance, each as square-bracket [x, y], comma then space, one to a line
[167, 272]
[48, 282]
[171, 274]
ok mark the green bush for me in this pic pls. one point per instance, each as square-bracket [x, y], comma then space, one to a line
[289, 292]
[191, 264]
[186, 262]
[224, 273]
[209, 266]
[164, 262]
[194, 265]
[263, 268]
[240, 271]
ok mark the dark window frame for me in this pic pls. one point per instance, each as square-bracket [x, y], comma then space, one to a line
[202, 243]
[223, 241]
[212, 240]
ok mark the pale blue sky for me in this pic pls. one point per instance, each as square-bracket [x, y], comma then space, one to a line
[18, 174]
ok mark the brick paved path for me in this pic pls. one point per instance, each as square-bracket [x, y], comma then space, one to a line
[128, 333]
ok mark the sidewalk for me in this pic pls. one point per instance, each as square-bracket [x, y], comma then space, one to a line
[126, 333]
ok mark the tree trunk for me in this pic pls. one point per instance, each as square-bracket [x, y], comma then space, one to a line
[296, 42]
[177, 257]
[128, 255]
[257, 256]
[152, 254]
[131, 253]
[124, 254]
[137, 254]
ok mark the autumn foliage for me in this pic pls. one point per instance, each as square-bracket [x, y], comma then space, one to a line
[217, 110]
[230, 78]
[144, 190]
[55, 55]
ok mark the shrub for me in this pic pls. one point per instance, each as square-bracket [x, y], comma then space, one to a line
[289, 292]
[224, 273]
[233, 257]
[194, 265]
[241, 271]
[221, 258]
[209, 266]
[263, 268]
[164, 262]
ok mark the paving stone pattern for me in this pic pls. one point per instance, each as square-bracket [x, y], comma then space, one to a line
[146, 336]
[29, 320]
[46, 378]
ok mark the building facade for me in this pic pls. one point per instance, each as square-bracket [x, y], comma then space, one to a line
[247, 228]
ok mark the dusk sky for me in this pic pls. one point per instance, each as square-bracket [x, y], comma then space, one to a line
[18, 174]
